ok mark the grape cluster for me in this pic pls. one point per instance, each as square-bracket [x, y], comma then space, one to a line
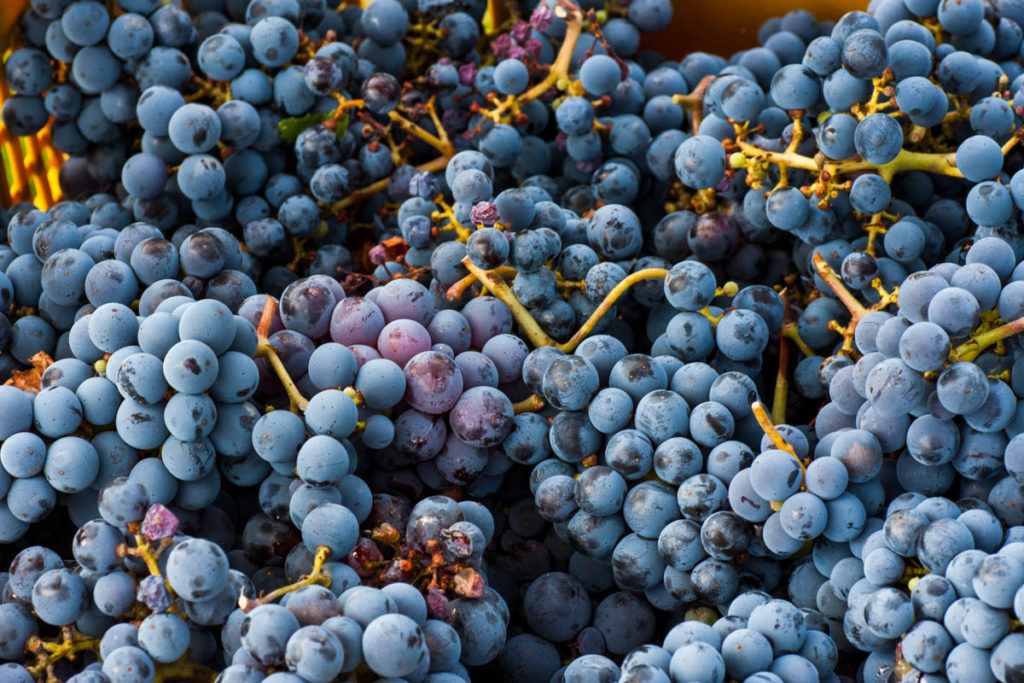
[448, 340]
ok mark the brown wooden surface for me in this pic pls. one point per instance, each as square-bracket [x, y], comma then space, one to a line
[726, 26]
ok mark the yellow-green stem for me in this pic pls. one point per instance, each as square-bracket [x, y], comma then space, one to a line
[365, 193]
[492, 282]
[836, 284]
[790, 332]
[761, 415]
[144, 551]
[530, 404]
[183, 670]
[781, 384]
[316, 576]
[72, 642]
[906, 160]
[416, 130]
[265, 350]
[456, 291]
[559, 69]
[608, 302]
[694, 101]
[971, 348]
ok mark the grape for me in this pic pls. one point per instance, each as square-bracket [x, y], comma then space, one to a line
[315, 653]
[393, 645]
[130, 36]
[775, 475]
[927, 644]
[697, 661]
[165, 637]
[331, 525]
[662, 415]
[381, 383]
[742, 100]
[482, 417]
[795, 87]
[711, 423]
[570, 382]
[433, 382]
[190, 366]
[277, 436]
[610, 410]
[700, 161]
[962, 388]
[59, 597]
[741, 335]
[71, 465]
[979, 158]
[58, 412]
[112, 327]
[331, 412]
[599, 74]
[140, 379]
[266, 631]
[28, 71]
[960, 18]
[194, 128]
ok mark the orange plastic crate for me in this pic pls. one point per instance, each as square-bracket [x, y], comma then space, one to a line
[31, 165]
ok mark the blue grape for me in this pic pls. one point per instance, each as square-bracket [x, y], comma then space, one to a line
[979, 158]
[700, 161]
[878, 139]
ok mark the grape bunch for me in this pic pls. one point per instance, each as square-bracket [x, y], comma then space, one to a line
[448, 340]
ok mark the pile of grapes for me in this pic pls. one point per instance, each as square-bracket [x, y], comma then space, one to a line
[443, 340]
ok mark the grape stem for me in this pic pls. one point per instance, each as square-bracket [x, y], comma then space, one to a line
[766, 424]
[559, 69]
[447, 212]
[442, 134]
[183, 670]
[458, 290]
[530, 404]
[492, 282]
[265, 349]
[1012, 142]
[874, 228]
[144, 551]
[790, 332]
[761, 415]
[835, 283]
[316, 576]
[972, 348]
[295, 397]
[49, 653]
[444, 147]
[695, 100]
[364, 193]
[906, 160]
[782, 376]
[621, 288]
[781, 384]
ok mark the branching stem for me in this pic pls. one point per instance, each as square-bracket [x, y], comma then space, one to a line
[530, 404]
[609, 301]
[315, 576]
[972, 348]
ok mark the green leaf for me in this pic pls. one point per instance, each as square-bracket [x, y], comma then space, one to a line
[290, 128]
[342, 126]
